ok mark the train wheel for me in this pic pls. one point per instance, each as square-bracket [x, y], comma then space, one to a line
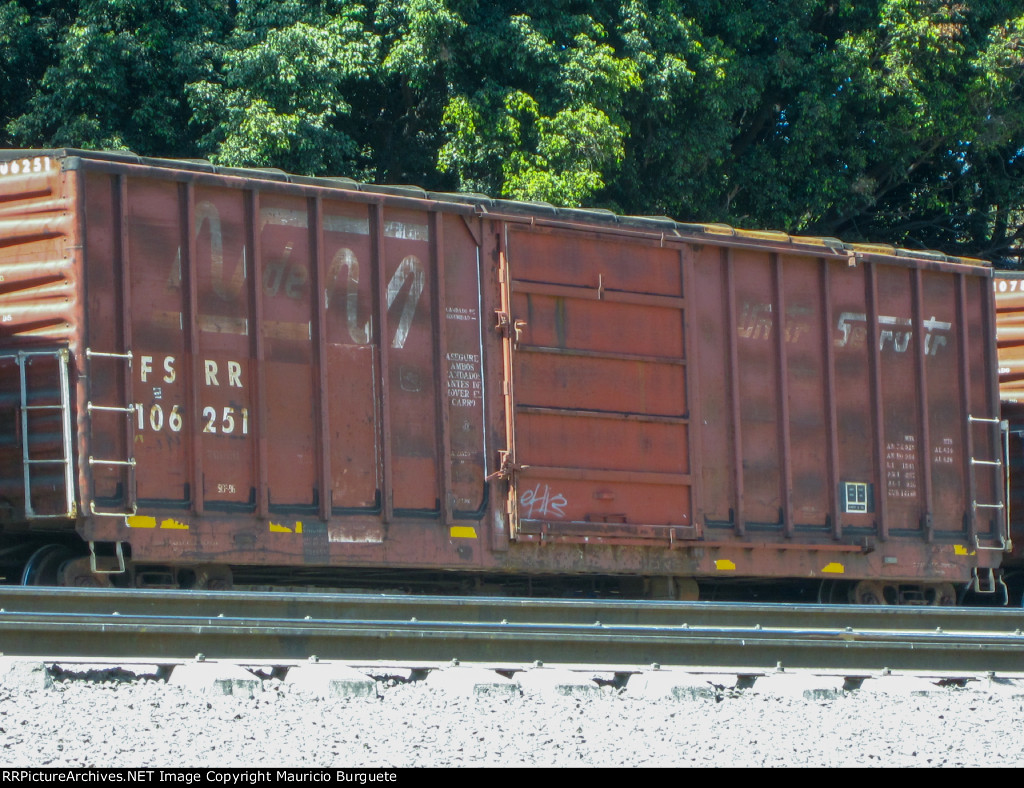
[43, 566]
[833, 592]
[213, 577]
[942, 594]
[872, 592]
[77, 573]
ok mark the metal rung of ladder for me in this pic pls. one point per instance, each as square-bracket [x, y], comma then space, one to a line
[94, 565]
[1003, 541]
[64, 409]
[986, 586]
[89, 353]
[101, 513]
[129, 462]
[94, 461]
[996, 465]
[109, 408]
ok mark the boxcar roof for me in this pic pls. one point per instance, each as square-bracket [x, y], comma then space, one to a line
[482, 204]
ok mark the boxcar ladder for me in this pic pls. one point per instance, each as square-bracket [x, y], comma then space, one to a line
[29, 406]
[128, 462]
[988, 582]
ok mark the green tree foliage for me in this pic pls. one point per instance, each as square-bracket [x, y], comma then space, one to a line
[537, 111]
[115, 72]
[896, 120]
[885, 120]
[280, 97]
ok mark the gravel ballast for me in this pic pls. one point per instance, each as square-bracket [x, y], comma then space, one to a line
[147, 722]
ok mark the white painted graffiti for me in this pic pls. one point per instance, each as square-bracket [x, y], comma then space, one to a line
[290, 278]
[542, 503]
[410, 269]
[346, 259]
[757, 321]
[896, 332]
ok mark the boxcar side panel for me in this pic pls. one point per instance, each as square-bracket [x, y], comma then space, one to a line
[466, 398]
[855, 338]
[160, 374]
[722, 496]
[900, 392]
[408, 336]
[350, 405]
[803, 338]
[40, 304]
[108, 445]
[823, 379]
[760, 413]
[945, 411]
[284, 272]
[306, 379]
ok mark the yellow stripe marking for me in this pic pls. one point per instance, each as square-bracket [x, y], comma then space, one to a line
[463, 532]
[834, 568]
[279, 529]
[174, 525]
[141, 521]
[959, 549]
[724, 564]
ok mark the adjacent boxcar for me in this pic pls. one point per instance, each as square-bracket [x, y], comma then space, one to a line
[203, 368]
[1009, 299]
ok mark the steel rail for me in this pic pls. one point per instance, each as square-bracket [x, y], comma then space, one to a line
[173, 626]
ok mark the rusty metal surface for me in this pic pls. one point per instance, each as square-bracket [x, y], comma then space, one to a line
[1009, 294]
[599, 372]
[814, 378]
[1008, 287]
[275, 370]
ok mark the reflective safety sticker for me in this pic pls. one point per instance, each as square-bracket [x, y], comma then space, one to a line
[463, 532]
[959, 549]
[834, 568]
[141, 521]
[724, 564]
[277, 528]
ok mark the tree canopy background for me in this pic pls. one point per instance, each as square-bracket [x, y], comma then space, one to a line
[897, 121]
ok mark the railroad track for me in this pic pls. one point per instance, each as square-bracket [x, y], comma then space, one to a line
[289, 628]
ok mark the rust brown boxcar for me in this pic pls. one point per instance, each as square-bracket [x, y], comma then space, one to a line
[1008, 287]
[204, 367]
